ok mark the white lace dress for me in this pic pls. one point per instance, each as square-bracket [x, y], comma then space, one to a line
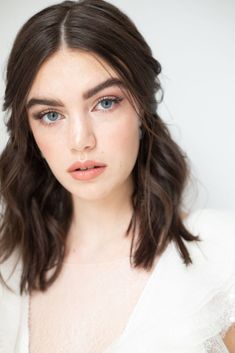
[180, 310]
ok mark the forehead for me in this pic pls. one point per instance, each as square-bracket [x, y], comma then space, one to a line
[68, 68]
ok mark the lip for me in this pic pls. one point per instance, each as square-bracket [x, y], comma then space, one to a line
[85, 164]
[86, 175]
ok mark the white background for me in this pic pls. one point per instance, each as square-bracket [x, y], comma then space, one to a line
[194, 40]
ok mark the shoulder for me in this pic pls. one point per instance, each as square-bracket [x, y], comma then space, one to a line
[212, 222]
[214, 264]
[10, 301]
[196, 303]
[213, 256]
[204, 292]
[216, 229]
[10, 271]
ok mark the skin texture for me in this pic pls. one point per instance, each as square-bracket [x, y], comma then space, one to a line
[88, 129]
[85, 129]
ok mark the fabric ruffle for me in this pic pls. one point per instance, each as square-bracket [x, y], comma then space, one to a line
[214, 312]
[215, 318]
[189, 309]
[182, 309]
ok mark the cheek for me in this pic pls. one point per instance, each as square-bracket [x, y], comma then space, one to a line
[123, 143]
[129, 135]
[46, 142]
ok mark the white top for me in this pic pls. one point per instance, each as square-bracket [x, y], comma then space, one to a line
[180, 310]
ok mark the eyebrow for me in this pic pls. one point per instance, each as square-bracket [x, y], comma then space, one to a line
[86, 95]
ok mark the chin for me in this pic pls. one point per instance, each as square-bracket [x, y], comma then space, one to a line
[90, 192]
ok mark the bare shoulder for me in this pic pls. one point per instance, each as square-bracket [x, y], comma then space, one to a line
[229, 340]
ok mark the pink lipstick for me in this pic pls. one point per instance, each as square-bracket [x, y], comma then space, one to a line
[86, 170]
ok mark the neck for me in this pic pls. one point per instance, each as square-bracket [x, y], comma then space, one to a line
[99, 226]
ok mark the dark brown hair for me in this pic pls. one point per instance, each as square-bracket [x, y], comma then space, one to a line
[30, 222]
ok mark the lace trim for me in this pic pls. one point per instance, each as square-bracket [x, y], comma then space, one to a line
[215, 345]
[226, 319]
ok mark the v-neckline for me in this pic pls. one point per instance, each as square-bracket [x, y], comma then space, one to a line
[139, 302]
[135, 310]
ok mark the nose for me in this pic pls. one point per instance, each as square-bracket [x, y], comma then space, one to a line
[81, 135]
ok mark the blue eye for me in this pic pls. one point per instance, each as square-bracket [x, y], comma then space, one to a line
[106, 103]
[48, 117]
[51, 116]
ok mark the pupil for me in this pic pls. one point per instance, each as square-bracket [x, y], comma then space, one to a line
[106, 103]
[52, 116]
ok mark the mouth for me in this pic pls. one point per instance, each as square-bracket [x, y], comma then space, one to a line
[84, 166]
[88, 168]
[86, 174]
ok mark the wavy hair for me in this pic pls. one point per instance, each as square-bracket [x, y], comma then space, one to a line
[29, 191]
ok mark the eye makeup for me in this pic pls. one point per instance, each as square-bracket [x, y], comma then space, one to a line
[104, 104]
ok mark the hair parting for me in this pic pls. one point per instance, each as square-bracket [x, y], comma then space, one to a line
[29, 221]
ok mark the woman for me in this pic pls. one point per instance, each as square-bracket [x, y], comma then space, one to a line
[96, 255]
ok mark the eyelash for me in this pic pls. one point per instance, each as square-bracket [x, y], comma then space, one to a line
[113, 99]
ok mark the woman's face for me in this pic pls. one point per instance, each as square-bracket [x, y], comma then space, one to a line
[76, 113]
